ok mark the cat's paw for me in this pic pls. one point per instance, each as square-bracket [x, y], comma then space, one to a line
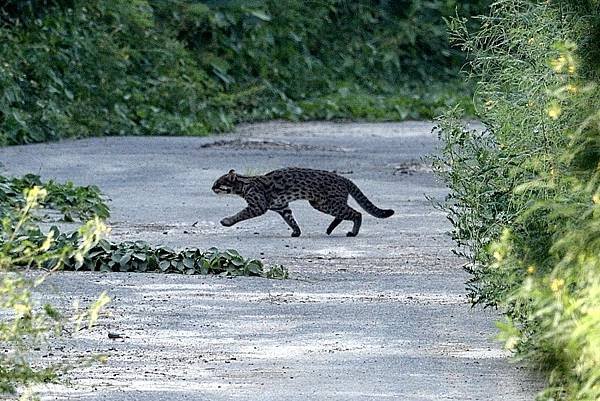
[296, 234]
[351, 234]
[227, 222]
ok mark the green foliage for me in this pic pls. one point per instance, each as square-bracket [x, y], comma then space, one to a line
[75, 68]
[140, 257]
[99, 67]
[525, 193]
[319, 47]
[26, 323]
[479, 203]
[80, 202]
[417, 101]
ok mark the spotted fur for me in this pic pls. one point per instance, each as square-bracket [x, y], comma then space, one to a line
[325, 191]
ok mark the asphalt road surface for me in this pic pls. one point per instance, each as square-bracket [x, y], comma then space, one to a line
[382, 316]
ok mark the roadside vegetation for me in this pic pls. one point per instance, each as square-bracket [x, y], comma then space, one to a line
[28, 323]
[72, 202]
[74, 68]
[525, 193]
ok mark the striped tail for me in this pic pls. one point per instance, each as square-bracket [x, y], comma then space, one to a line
[366, 204]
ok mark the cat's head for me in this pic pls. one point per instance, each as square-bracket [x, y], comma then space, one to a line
[226, 184]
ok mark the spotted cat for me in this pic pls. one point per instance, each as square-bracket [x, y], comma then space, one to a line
[325, 191]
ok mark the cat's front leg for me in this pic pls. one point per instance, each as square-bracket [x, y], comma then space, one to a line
[247, 213]
[257, 205]
[228, 221]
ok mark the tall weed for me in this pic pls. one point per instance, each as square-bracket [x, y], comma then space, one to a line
[26, 323]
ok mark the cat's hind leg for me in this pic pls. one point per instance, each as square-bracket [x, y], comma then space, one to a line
[336, 222]
[355, 217]
[287, 215]
[341, 211]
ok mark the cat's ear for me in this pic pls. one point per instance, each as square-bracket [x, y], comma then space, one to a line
[232, 174]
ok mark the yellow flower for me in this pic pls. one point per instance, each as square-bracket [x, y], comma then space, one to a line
[559, 63]
[572, 88]
[35, 195]
[596, 198]
[511, 343]
[531, 269]
[557, 284]
[22, 309]
[48, 241]
[554, 110]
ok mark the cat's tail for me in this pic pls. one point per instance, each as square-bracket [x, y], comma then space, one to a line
[366, 204]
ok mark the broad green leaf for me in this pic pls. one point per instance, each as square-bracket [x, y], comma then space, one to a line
[260, 15]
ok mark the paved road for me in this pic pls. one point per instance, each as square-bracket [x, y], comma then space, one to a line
[378, 317]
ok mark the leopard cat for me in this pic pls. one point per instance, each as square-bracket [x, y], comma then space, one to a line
[325, 191]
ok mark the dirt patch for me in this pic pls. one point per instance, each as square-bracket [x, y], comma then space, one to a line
[411, 167]
[245, 144]
[128, 230]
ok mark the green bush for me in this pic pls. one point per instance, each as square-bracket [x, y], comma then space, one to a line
[26, 322]
[98, 68]
[525, 193]
[80, 202]
[138, 256]
[74, 68]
